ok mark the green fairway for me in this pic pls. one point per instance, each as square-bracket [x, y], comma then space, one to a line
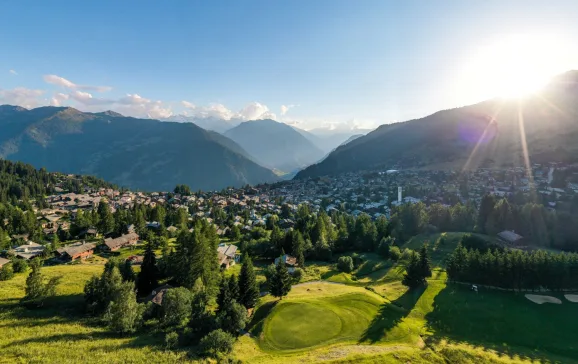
[506, 322]
[322, 314]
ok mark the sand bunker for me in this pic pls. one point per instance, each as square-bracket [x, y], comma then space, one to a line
[543, 299]
[571, 297]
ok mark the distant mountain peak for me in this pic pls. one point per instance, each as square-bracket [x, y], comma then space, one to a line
[110, 113]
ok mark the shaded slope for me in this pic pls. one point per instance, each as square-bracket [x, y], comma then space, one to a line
[275, 145]
[447, 139]
[138, 153]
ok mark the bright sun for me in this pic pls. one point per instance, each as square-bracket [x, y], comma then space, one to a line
[515, 66]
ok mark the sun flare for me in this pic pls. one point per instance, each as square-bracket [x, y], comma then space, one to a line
[514, 66]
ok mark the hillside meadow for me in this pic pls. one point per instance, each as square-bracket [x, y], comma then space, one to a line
[366, 316]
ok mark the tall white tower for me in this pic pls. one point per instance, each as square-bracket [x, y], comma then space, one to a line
[399, 194]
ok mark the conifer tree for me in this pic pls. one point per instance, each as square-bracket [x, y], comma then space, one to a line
[233, 287]
[298, 244]
[224, 297]
[127, 272]
[280, 283]
[149, 273]
[248, 287]
[424, 262]
[413, 274]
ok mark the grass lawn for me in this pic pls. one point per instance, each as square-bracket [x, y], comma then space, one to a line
[323, 313]
[505, 321]
[61, 332]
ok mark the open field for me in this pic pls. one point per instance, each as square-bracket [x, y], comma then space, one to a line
[61, 332]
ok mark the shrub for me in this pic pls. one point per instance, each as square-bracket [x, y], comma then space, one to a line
[6, 272]
[394, 253]
[233, 318]
[19, 265]
[357, 260]
[407, 254]
[297, 275]
[345, 264]
[171, 340]
[217, 342]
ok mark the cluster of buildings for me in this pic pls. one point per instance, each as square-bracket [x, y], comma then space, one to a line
[373, 192]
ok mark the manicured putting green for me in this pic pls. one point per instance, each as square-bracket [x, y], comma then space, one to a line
[299, 325]
[323, 314]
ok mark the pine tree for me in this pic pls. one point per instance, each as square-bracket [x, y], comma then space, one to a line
[280, 283]
[105, 218]
[224, 297]
[149, 273]
[424, 262]
[233, 287]
[297, 248]
[127, 272]
[248, 287]
[413, 274]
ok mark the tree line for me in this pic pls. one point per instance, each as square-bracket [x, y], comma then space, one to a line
[514, 269]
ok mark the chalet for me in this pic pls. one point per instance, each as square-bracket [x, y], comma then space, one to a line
[122, 241]
[227, 255]
[80, 250]
[88, 233]
[157, 294]
[4, 261]
[290, 262]
[29, 250]
[510, 237]
[135, 259]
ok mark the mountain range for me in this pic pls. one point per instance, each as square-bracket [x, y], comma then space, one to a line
[137, 153]
[495, 133]
[275, 145]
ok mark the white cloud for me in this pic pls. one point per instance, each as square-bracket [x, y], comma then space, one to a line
[58, 98]
[188, 105]
[136, 105]
[21, 96]
[63, 82]
[285, 109]
[87, 98]
[254, 111]
[218, 111]
[13, 72]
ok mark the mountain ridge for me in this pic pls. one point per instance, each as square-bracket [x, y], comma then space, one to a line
[137, 153]
[275, 145]
[487, 134]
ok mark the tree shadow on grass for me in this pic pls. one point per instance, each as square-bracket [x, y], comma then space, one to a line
[390, 315]
[255, 327]
[502, 322]
[63, 306]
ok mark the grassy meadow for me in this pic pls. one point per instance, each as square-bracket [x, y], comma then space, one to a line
[366, 316]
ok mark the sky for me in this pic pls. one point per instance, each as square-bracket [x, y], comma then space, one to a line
[313, 64]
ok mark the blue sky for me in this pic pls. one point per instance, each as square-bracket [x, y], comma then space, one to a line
[347, 62]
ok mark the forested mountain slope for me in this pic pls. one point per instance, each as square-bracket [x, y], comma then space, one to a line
[488, 134]
[136, 153]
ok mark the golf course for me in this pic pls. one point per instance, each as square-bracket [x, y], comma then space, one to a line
[366, 316]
